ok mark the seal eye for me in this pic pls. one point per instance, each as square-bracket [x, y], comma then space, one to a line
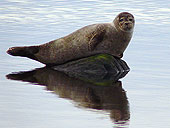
[120, 20]
[130, 19]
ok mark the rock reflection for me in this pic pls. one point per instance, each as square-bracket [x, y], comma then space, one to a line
[108, 96]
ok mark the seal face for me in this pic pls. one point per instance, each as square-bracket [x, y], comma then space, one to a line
[104, 38]
[125, 21]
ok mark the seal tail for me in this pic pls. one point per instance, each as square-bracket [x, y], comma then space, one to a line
[28, 51]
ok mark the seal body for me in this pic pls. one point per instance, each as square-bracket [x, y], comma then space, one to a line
[110, 38]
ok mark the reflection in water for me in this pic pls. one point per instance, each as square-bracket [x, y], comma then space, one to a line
[111, 98]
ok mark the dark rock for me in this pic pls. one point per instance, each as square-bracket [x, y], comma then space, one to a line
[95, 68]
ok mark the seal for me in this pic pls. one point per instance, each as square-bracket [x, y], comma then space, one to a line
[108, 38]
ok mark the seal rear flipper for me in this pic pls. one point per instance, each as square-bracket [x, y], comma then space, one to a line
[24, 51]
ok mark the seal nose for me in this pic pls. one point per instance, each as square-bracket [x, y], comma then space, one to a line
[126, 23]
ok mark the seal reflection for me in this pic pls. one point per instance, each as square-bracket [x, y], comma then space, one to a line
[109, 98]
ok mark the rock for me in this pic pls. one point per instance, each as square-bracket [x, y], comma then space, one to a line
[95, 68]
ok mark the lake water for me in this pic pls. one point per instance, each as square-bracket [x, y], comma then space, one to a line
[51, 99]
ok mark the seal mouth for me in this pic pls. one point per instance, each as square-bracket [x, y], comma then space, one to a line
[127, 26]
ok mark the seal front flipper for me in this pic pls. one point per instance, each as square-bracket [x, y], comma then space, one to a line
[96, 37]
[27, 51]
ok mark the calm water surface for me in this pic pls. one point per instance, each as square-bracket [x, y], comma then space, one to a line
[45, 98]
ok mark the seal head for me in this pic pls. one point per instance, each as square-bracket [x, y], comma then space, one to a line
[124, 22]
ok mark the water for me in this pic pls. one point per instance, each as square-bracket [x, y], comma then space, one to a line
[59, 101]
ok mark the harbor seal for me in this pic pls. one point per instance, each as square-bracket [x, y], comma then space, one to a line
[108, 38]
